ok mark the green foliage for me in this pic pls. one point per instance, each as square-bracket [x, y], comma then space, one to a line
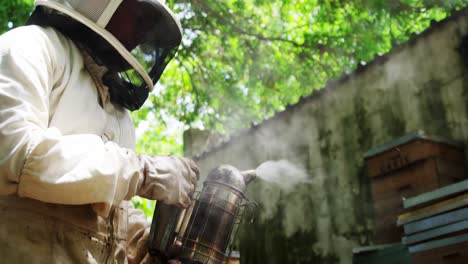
[147, 206]
[243, 60]
[14, 13]
[154, 137]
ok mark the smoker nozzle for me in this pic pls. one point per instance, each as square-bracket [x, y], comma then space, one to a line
[249, 175]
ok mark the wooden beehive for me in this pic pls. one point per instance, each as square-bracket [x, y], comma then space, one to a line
[405, 167]
[436, 225]
[450, 254]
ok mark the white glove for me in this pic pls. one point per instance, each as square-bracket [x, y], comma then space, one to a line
[170, 179]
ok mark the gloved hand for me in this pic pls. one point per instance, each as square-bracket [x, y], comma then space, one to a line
[170, 179]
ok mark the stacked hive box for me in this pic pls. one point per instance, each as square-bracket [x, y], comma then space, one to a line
[381, 254]
[436, 225]
[408, 166]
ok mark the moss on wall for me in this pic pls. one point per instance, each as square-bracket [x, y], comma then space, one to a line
[322, 220]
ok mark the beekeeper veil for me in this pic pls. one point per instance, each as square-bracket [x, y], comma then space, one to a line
[134, 39]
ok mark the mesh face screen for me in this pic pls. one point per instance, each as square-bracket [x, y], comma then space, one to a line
[152, 37]
[91, 9]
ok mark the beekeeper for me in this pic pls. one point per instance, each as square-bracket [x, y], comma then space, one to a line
[67, 160]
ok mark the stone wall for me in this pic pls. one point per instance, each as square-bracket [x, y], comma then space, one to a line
[421, 85]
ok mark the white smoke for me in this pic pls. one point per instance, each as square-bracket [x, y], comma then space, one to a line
[283, 173]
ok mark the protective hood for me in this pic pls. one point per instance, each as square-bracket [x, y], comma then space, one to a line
[137, 51]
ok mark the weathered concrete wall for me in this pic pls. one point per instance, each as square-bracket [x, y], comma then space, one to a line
[421, 85]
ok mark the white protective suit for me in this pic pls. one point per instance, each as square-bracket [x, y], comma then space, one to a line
[67, 165]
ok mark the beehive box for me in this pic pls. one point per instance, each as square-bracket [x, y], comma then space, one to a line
[453, 252]
[382, 254]
[413, 164]
[436, 225]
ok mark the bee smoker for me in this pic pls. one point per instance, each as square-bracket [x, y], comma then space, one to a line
[203, 233]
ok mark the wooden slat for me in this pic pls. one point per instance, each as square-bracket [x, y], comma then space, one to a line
[437, 208]
[436, 195]
[453, 254]
[436, 221]
[387, 255]
[438, 243]
[434, 233]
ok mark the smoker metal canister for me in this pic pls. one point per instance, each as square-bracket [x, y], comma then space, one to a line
[207, 233]
[211, 223]
[202, 233]
[162, 232]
